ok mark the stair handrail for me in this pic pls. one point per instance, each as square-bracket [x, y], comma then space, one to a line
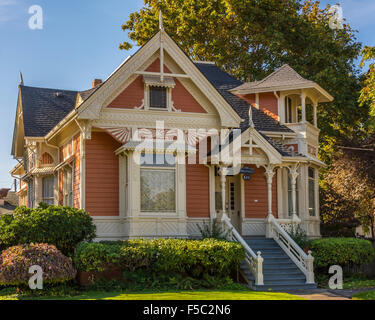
[253, 261]
[304, 261]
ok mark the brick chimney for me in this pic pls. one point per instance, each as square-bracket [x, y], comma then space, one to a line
[96, 82]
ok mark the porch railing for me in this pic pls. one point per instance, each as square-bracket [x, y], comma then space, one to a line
[253, 261]
[303, 261]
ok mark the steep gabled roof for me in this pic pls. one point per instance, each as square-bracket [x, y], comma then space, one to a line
[224, 82]
[43, 108]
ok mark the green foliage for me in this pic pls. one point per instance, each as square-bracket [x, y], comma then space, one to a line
[143, 279]
[341, 251]
[63, 227]
[192, 258]
[368, 91]
[349, 190]
[299, 236]
[337, 214]
[213, 230]
[16, 261]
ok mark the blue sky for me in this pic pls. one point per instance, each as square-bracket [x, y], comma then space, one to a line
[79, 42]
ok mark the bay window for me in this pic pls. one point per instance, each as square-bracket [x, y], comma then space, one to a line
[158, 184]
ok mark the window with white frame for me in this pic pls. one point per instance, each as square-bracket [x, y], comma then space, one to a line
[48, 189]
[68, 186]
[158, 183]
[312, 190]
[290, 199]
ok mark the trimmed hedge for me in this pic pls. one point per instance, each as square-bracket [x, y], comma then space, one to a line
[191, 257]
[16, 261]
[341, 251]
[63, 227]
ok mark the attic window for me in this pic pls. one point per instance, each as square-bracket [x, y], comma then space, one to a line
[158, 97]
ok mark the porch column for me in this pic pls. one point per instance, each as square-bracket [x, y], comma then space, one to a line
[293, 173]
[269, 177]
[303, 106]
[315, 106]
[223, 173]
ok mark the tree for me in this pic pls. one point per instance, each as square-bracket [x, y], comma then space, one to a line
[251, 38]
[368, 91]
[349, 186]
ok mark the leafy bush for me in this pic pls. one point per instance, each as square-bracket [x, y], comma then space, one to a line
[341, 251]
[213, 230]
[63, 227]
[299, 236]
[16, 261]
[189, 257]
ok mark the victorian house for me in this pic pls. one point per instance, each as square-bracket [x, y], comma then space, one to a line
[121, 150]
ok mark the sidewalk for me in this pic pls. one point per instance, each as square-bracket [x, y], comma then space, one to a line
[320, 294]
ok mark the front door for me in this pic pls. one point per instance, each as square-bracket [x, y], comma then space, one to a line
[234, 201]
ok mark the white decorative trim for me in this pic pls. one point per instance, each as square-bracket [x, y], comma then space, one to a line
[90, 108]
[254, 227]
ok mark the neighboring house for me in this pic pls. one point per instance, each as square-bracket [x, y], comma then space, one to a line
[82, 148]
[8, 201]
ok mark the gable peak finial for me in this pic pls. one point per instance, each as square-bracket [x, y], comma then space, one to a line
[21, 78]
[161, 26]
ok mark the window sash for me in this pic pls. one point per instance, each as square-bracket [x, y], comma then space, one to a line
[158, 189]
[48, 190]
[158, 97]
[68, 187]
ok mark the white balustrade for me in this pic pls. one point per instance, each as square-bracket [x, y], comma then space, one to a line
[253, 261]
[278, 232]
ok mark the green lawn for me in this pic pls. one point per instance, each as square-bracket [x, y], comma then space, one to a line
[369, 295]
[176, 295]
[358, 283]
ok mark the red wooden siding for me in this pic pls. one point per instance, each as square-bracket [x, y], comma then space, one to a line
[102, 175]
[133, 95]
[46, 158]
[155, 67]
[183, 100]
[197, 191]
[256, 189]
[268, 104]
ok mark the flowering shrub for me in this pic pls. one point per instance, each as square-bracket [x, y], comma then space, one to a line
[63, 227]
[16, 261]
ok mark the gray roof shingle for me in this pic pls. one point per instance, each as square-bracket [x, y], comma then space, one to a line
[224, 82]
[43, 108]
[284, 76]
